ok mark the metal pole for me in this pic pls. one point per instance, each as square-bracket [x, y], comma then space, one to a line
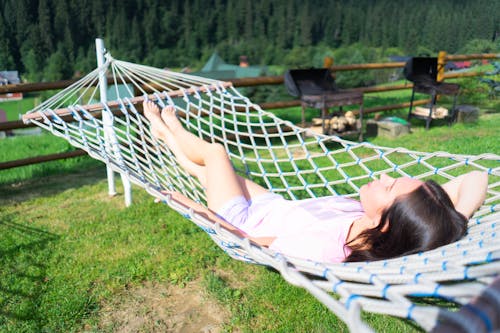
[107, 120]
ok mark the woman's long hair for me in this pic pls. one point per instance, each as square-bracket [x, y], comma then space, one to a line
[421, 220]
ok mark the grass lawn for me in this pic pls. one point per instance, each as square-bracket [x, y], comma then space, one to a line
[15, 108]
[74, 259]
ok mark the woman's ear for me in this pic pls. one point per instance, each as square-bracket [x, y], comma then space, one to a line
[385, 228]
[378, 221]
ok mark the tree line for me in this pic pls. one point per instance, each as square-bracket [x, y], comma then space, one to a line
[54, 39]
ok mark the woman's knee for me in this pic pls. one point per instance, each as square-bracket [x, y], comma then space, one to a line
[216, 151]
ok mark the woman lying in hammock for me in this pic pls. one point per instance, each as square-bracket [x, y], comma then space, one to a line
[394, 217]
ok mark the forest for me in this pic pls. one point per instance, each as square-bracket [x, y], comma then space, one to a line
[49, 40]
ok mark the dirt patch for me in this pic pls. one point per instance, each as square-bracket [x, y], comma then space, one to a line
[153, 307]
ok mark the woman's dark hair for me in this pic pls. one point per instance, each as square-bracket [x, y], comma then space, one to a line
[421, 220]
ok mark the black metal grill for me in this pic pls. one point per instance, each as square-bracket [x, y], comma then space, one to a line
[316, 88]
[422, 71]
[314, 81]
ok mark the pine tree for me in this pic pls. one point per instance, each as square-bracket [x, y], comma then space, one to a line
[45, 24]
[6, 59]
[305, 27]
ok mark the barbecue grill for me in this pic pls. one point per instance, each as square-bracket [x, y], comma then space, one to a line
[422, 71]
[316, 89]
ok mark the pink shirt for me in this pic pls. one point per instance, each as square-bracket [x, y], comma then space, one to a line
[314, 229]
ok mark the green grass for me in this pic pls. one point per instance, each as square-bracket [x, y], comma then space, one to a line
[68, 251]
[70, 255]
[20, 147]
[15, 108]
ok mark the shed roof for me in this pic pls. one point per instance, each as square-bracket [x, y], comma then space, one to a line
[217, 68]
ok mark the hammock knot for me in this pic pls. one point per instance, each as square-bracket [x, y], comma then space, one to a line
[208, 230]
[351, 299]
[334, 289]
[435, 292]
[385, 289]
[230, 245]
[409, 311]
[443, 265]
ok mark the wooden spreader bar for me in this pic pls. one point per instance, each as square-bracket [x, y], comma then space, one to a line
[64, 112]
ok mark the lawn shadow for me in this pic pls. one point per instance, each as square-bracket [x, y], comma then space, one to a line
[48, 185]
[24, 255]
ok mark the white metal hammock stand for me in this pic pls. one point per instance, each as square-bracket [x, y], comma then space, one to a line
[290, 161]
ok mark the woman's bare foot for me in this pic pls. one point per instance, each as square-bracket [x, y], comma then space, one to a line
[152, 113]
[170, 119]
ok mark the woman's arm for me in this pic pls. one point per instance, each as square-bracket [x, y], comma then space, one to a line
[468, 191]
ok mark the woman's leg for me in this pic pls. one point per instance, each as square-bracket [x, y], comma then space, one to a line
[192, 146]
[161, 131]
[211, 165]
[223, 183]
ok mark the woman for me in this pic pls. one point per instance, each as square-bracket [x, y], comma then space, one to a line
[394, 217]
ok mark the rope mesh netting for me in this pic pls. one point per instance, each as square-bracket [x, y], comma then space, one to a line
[291, 161]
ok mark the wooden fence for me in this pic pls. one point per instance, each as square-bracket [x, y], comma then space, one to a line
[443, 58]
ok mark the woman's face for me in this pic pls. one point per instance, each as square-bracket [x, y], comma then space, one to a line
[380, 194]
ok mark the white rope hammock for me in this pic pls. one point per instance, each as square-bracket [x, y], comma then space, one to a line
[290, 161]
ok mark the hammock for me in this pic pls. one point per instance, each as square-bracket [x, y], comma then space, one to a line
[293, 162]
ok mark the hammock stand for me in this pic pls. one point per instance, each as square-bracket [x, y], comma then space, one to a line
[295, 163]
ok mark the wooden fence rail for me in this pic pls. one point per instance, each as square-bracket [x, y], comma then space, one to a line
[241, 82]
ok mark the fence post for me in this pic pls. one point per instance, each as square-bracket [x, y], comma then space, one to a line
[441, 65]
[327, 62]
